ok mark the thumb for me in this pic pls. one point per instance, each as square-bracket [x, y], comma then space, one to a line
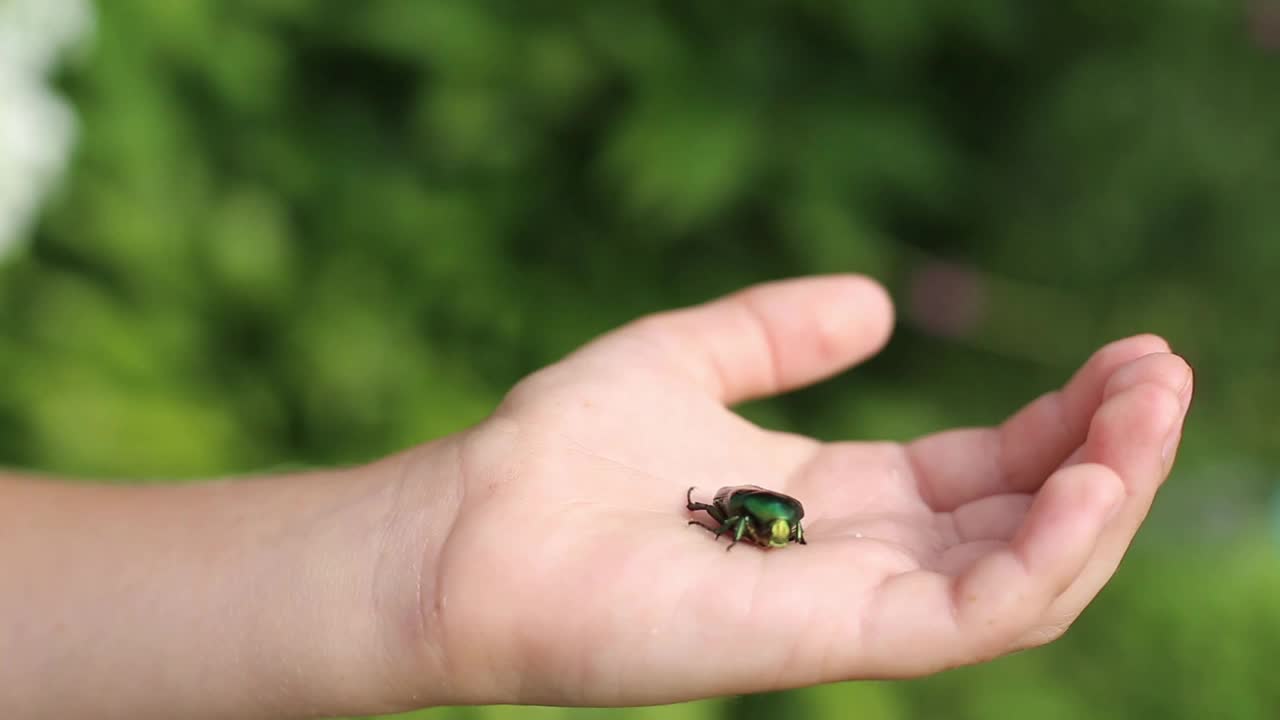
[769, 338]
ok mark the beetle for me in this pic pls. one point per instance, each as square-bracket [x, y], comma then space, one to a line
[764, 517]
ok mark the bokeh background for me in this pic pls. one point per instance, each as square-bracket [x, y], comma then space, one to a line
[241, 236]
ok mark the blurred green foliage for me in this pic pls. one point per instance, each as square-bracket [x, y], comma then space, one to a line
[313, 233]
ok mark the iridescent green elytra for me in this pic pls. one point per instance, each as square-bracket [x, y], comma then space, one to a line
[764, 517]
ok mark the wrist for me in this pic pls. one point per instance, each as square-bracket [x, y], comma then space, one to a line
[449, 635]
[327, 620]
[431, 641]
[320, 587]
[419, 493]
[355, 627]
[311, 589]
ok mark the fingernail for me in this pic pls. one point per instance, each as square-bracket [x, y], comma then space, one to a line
[1174, 434]
[1171, 443]
[1184, 393]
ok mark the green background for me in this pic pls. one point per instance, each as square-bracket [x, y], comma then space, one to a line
[308, 233]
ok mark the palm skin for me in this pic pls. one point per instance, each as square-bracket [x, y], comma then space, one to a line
[569, 575]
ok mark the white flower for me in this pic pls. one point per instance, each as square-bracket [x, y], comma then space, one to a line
[36, 126]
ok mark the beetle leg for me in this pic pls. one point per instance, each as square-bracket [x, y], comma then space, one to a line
[800, 535]
[693, 505]
[737, 523]
[737, 531]
[706, 526]
[726, 525]
[715, 512]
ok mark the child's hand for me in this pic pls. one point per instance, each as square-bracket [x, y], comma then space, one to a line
[566, 573]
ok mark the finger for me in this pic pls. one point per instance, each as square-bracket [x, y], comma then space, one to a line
[1163, 369]
[769, 338]
[959, 466]
[1037, 441]
[959, 558]
[1135, 433]
[983, 612]
[996, 517]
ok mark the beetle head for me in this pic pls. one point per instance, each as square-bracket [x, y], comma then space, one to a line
[779, 533]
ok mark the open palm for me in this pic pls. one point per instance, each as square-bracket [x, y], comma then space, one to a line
[570, 575]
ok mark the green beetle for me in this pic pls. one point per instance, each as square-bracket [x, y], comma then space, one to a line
[767, 518]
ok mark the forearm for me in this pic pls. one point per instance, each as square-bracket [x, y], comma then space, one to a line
[274, 597]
